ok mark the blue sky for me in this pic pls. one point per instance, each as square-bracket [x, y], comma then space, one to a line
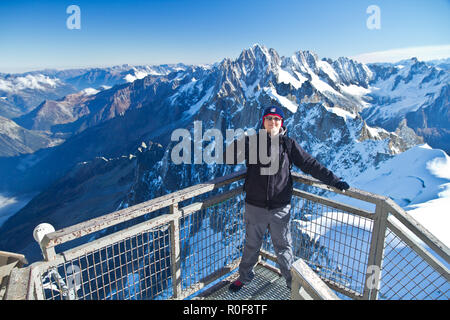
[33, 34]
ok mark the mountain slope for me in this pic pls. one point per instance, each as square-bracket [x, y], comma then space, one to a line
[422, 186]
[15, 140]
[21, 93]
[26, 91]
[415, 91]
[50, 112]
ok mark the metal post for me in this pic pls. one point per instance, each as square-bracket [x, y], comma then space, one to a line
[175, 250]
[373, 272]
[39, 234]
[49, 253]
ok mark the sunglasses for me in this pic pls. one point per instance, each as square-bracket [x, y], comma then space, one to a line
[273, 118]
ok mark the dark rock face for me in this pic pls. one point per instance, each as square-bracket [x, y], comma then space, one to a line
[432, 122]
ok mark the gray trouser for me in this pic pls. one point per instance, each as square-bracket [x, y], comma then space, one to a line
[257, 221]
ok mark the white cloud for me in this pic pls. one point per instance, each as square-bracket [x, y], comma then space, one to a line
[36, 82]
[424, 53]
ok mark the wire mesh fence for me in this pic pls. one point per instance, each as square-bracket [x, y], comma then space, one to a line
[407, 276]
[336, 243]
[137, 267]
[333, 242]
[211, 239]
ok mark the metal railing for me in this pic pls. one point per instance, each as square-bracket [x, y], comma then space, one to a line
[358, 253]
[307, 285]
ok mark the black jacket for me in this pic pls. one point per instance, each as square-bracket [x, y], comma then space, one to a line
[275, 191]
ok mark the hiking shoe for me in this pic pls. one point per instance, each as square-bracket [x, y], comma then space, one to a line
[236, 286]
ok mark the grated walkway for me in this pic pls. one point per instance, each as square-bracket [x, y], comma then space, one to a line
[267, 285]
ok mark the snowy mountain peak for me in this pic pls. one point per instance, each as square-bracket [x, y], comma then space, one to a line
[307, 59]
[258, 55]
[352, 72]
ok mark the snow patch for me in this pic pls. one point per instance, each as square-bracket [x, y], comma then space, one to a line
[137, 75]
[355, 90]
[341, 112]
[194, 108]
[90, 91]
[328, 69]
[322, 86]
[286, 77]
[285, 102]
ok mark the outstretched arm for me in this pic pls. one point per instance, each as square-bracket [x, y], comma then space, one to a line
[310, 165]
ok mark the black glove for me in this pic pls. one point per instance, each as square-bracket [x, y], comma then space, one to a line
[341, 185]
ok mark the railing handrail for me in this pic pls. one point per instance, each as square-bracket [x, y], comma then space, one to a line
[351, 192]
[414, 226]
[96, 224]
[93, 225]
[307, 285]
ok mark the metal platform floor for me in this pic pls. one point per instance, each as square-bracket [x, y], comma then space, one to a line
[268, 284]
